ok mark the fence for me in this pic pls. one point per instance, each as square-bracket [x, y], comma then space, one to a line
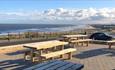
[36, 36]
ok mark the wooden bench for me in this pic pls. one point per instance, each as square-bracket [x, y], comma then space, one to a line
[73, 37]
[110, 43]
[81, 41]
[56, 65]
[59, 53]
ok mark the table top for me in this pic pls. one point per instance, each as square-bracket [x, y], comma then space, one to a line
[45, 44]
[68, 36]
[56, 65]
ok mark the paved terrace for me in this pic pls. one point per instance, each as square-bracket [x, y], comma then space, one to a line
[94, 57]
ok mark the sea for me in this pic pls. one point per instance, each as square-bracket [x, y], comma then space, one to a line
[16, 28]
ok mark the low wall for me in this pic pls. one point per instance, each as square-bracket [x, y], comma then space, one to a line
[11, 48]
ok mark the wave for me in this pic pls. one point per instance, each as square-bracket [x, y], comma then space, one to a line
[45, 29]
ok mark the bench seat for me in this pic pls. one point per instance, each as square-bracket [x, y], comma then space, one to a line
[82, 40]
[58, 53]
[110, 42]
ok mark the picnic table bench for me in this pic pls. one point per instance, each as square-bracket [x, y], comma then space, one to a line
[56, 65]
[110, 43]
[59, 53]
[81, 41]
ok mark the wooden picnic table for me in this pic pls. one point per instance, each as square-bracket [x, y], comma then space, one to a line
[73, 37]
[40, 46]
[56, 65]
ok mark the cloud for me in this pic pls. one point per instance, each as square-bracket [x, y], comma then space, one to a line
[62, 16]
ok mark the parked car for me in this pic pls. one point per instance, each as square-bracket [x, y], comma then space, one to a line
[100, 36]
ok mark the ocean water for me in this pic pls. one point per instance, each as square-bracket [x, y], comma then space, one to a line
[16, 28]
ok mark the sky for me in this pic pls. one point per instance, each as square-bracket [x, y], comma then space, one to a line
[53, 11]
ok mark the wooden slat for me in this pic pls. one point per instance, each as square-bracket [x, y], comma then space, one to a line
[57, 53]
[65, 67]
[40, 65]
[58, 65]
[76, 67]
[48, 65]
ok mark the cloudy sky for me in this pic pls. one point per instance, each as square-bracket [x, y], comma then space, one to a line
[57, 12]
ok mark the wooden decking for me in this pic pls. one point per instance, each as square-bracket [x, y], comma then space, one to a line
[94, 57]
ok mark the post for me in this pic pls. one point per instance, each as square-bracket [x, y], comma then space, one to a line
[61, 56]
[85, 33]
[29, 35]
[62, 47]
[110, 45]
[70, 55]
[19, 35]
[82, 43]
[8, 36]
[37, 34]
[32, 52]
[40, 53]
[87, 43]
[77, 43]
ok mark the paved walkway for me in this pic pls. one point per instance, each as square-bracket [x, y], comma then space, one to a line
[94, 57]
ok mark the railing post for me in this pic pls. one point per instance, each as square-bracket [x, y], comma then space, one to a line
[19, 35]
[8, 37]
